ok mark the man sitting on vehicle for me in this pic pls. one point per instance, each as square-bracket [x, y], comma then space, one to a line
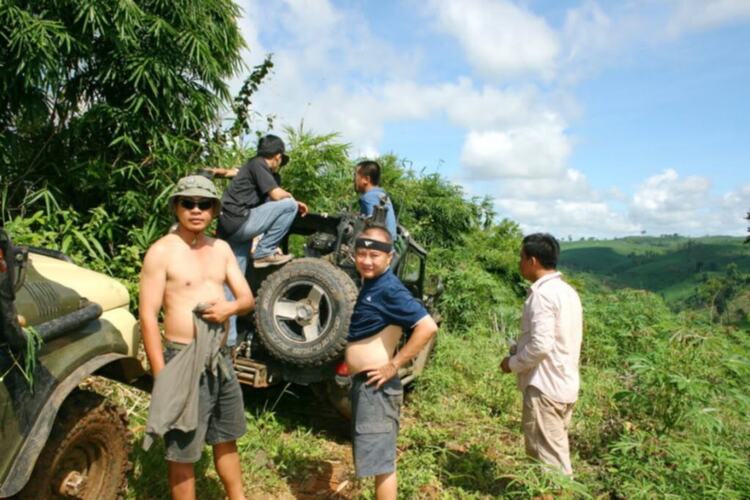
[383, 309]
[254, 204]
[367, 182]
[196, 397]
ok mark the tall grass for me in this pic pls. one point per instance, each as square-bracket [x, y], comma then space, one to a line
[664, 406]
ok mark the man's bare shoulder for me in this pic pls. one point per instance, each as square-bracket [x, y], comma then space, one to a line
[220, 245]
[162, 247]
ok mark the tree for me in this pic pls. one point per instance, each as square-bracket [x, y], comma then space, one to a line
[98, 95]
[716, 292]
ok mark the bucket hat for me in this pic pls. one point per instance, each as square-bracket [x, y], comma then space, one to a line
[195, 185]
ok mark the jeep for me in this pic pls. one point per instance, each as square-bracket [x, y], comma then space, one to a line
[58, 440]
[298, 330]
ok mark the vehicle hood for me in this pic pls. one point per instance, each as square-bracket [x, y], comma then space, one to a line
[54, 287]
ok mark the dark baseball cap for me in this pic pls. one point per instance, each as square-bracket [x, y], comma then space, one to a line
[271, 145]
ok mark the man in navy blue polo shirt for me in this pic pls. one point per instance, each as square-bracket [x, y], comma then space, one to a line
[384, 309]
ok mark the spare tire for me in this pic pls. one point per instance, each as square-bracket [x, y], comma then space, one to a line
[303, 312]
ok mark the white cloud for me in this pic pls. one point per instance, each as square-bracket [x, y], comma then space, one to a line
[667, 201]
[500, 39]
[328, 69]
[495, 108]
[740, 197]
[664, 203]
[733, 208]
[562, 217]
[694, 15]
[596, 34]
[322, 59]
[615, 194]
[314, 20]
[532, 152]
[333, 74]
[587, 29]
[588, 38]
[570, 185]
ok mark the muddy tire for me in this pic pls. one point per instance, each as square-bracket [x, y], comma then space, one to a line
[86, 455]
[303, 312]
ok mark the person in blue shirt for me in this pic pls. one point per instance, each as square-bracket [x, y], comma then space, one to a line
[384, 309]
[367, 183]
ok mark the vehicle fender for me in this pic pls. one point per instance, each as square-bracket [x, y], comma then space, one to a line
[24, 462]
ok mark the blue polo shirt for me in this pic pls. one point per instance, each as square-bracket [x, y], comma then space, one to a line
[384, 301]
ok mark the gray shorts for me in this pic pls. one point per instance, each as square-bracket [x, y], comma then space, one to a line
[221, 415]
[375, 416]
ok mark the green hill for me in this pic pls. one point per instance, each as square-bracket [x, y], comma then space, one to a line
[672, 266]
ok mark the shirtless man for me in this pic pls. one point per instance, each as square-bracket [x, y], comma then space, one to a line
[384, 308]
[181, 270]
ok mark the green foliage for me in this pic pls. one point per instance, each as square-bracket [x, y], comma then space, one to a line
[94, 87]
[674, 266]
[319, 172]
[101, 97]
[724, 295]
[620, 323]
[662, 394]
[27, 366]
[434, 209]
[648, 466]
[242, 105]
[106, 104]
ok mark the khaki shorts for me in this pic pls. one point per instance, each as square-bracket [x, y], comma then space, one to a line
[545, 429]
[375, 423]
[221, 414]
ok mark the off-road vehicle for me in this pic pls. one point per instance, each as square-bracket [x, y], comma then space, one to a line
[58, 441]
[298, 330]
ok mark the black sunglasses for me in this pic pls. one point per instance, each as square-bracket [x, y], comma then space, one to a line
[189, 204]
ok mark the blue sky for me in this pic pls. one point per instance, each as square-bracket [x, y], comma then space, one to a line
[579, 118]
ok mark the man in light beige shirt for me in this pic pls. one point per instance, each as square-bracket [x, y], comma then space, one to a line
[546, 357]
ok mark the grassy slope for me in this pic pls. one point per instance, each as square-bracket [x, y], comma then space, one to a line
[663, 411]
[460, 435]
[459, 438]
[670, 266]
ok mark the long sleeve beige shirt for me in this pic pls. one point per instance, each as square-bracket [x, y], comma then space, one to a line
[549, 347]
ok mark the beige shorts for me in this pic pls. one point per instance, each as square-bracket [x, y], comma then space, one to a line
[545, 429]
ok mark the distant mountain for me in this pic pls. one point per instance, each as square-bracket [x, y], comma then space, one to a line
[673, 266]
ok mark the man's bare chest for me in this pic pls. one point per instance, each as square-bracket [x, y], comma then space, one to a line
[187, 269]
